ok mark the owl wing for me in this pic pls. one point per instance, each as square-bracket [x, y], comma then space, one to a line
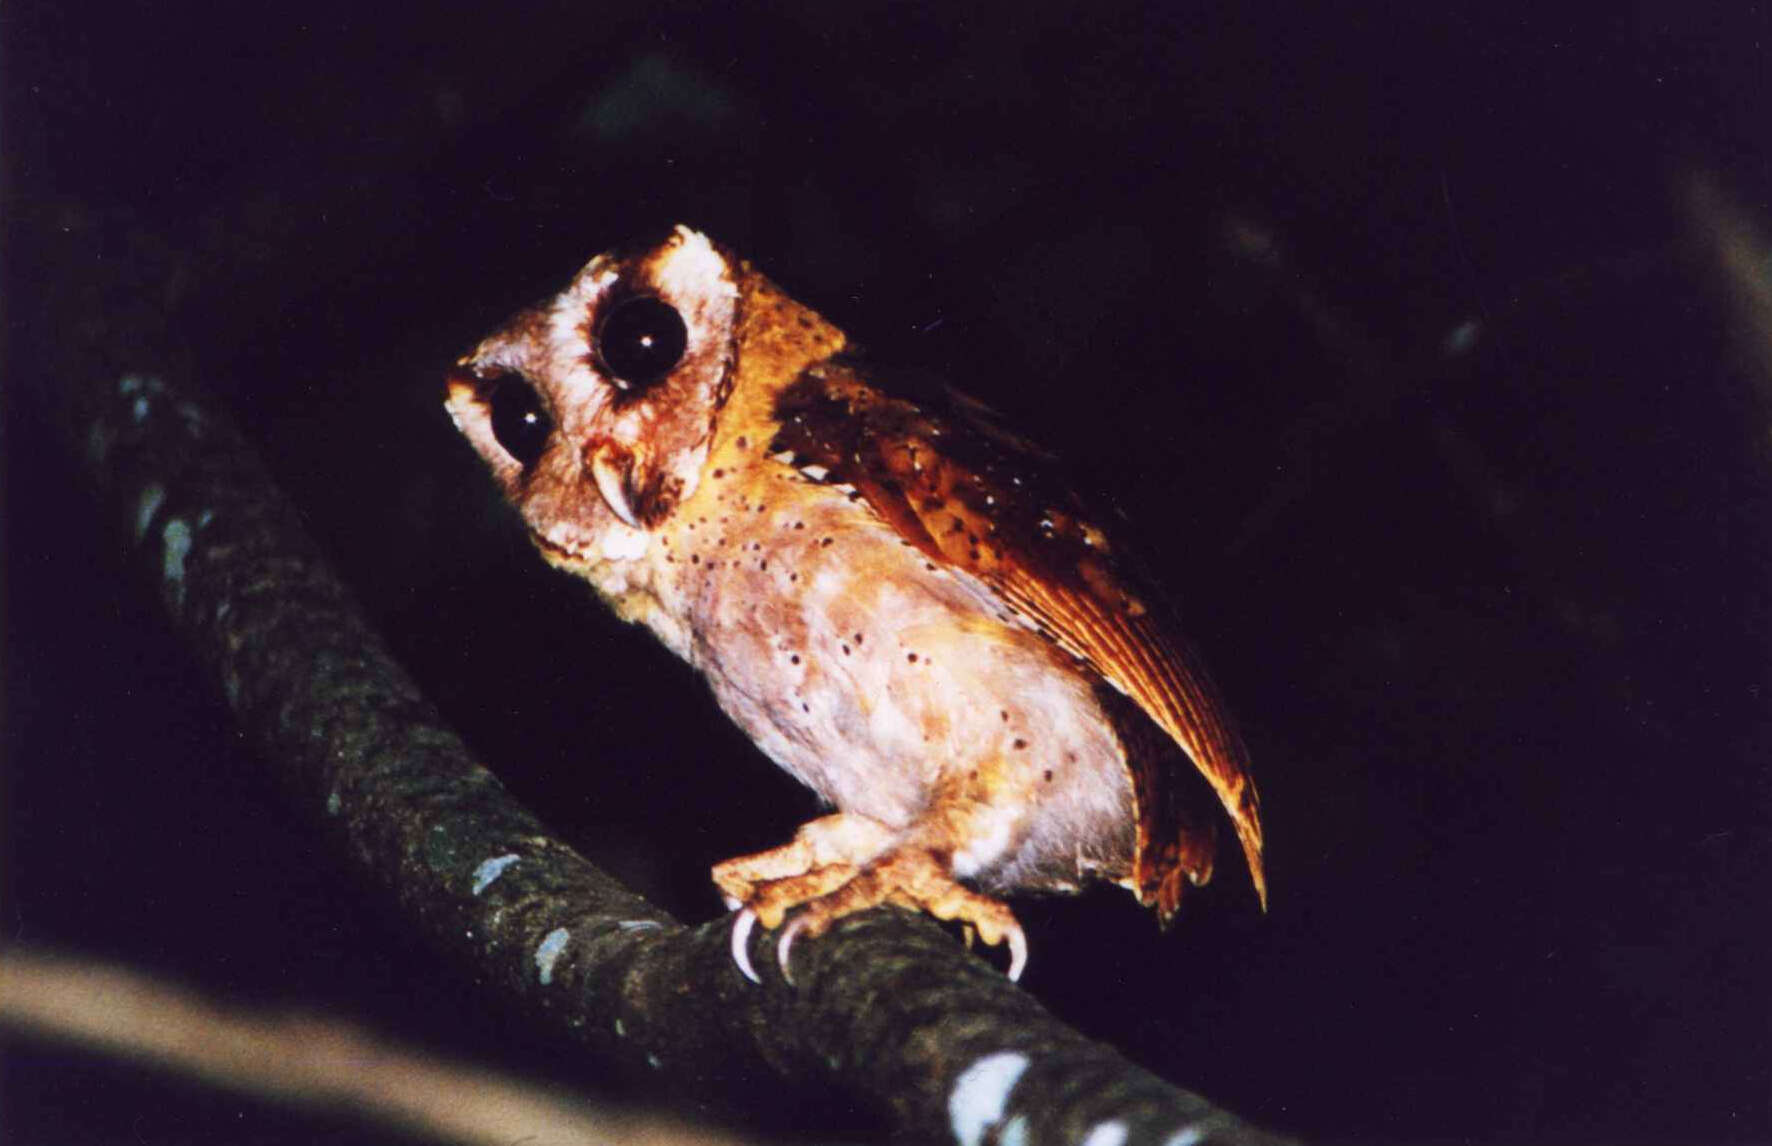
[966, 492]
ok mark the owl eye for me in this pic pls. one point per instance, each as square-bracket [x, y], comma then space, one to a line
[519, 421]
[641, 340]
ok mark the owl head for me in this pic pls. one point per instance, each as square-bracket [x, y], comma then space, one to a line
[595, 410]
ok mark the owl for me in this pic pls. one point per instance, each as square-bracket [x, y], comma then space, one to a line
[902, 602]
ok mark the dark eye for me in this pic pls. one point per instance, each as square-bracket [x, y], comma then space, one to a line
[519, 421]
[641, 340]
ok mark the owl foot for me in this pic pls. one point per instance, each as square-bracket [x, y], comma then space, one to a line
[907, 877]
[843, 841]
[823, 856]
[772, 900]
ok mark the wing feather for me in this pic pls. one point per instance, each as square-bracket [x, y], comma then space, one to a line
[966, 492]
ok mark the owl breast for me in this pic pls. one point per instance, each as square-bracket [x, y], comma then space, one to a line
[888, 684]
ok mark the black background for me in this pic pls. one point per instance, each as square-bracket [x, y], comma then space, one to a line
[1396, 329]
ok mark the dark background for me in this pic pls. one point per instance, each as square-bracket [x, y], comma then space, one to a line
[1402, 332]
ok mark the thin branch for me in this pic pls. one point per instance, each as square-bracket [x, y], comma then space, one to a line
[887, 1007]
[304, 1060]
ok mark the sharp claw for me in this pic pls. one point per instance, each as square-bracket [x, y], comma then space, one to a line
[1018, 952]
[784, 948]
[742, 925]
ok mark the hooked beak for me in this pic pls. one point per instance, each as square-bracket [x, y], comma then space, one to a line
[609, 469]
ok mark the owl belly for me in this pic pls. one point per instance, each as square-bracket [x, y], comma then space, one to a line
[900, 691]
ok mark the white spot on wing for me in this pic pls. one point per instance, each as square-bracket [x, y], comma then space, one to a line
[1187, 1136]
[548, 953]
[491, 870]
[981, 1093]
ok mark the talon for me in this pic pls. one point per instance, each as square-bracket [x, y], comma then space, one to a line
[784, 948]
[742, 925]
[733, 903]
[1018, 952]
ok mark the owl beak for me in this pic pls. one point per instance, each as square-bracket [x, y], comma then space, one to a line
[609, 471]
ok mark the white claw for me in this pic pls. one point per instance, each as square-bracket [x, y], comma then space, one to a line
[742, 925]
[1018, 953]
[784, 948]
[731, 903]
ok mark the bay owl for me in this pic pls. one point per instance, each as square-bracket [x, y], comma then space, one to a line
[901, 602]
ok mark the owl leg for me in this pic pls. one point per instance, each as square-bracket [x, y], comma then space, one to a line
[910, 877]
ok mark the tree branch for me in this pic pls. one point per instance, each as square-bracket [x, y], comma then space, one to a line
[887, 1007]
